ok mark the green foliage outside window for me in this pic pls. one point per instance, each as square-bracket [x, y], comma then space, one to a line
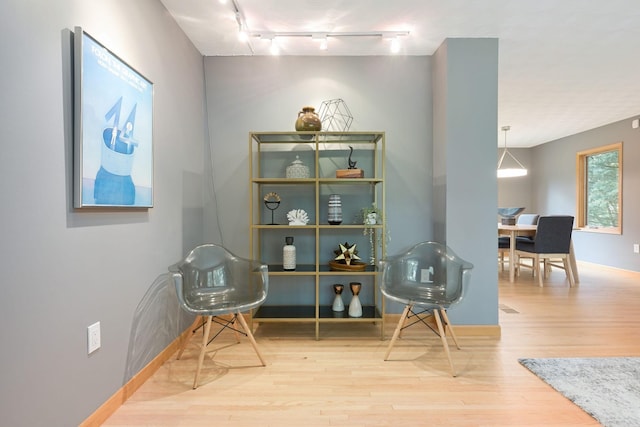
[599, 185]
[603, 205]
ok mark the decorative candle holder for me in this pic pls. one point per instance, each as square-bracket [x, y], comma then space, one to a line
[338, 304]
[355, 307]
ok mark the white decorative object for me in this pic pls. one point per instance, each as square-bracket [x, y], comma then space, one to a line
[297, 217]
[355, 306]
[289, 255]
[297, 169]
[338, 304]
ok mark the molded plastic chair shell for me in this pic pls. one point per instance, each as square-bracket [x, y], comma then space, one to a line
[211, 282]
[430, 276]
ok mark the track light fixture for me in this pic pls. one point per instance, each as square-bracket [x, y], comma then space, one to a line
[323, 37]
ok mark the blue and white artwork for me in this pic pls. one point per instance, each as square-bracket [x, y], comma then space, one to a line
[115, 153]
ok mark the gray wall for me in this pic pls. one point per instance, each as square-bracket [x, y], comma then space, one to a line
[554, 190]
[466, 99]
[391, 94]
[63, 270]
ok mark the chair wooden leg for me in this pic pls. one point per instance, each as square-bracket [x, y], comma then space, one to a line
[538, 272]
[396, 333]
[569, 272]
[193, 328]
[443, 337]
[205, 339]
[447, 326]
[250, 336]
[235, 331]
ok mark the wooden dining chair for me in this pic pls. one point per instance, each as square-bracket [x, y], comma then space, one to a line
[503, 241]
[551, 242]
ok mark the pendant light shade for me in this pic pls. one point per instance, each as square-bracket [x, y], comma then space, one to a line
[505, 171]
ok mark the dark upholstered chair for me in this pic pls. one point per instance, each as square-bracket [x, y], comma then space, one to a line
[428, 279]
[218, 286]
[552, 241]
[503, 241]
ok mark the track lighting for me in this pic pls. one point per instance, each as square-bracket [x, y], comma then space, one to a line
[322, 37]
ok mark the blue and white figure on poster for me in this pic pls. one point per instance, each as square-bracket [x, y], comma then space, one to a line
[114, 185]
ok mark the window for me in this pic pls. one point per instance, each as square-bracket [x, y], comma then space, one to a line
[600, 189]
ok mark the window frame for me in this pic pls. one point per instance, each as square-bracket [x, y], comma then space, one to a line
[581, 189]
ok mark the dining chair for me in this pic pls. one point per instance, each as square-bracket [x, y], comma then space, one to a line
[218, 287]
[428, 279]
[552, 241]
[503, 241]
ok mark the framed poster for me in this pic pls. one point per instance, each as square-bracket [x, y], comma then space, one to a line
[113, 129]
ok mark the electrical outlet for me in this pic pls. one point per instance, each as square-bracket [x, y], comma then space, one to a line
[636, 248]
[93, 337]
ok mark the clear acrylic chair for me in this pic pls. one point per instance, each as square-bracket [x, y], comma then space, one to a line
[428, 279]
[217, 287]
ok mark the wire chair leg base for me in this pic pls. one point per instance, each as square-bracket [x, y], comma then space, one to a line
[206, 321]
[442, 323]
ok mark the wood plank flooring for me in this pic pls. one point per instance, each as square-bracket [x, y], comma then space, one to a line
[342, 380]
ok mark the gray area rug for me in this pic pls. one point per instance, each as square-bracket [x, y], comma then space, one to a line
[607, 388]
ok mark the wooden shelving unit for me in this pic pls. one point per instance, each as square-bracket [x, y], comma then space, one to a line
[306, 294]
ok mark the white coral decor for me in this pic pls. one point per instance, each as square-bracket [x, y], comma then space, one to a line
[297, 217]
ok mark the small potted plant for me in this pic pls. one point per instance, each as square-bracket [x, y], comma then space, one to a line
[370, 216]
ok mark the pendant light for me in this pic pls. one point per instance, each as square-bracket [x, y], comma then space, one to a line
[509, 172]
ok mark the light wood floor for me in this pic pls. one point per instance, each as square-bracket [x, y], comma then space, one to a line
[342, 380]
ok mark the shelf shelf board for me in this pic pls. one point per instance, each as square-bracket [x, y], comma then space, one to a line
[296, 312]
[284, 226]
[369, 312]
[301, 269]
[324, 269]
[283, 181]
[350, 181]
[321, 137]
[321, 181]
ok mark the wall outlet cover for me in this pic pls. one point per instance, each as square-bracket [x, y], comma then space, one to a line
[93, 337]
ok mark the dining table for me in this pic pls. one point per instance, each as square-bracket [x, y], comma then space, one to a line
[516, 230]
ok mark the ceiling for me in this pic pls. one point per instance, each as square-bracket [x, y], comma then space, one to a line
[564, 66]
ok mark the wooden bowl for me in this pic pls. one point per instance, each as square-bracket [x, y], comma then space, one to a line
[355, 266]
